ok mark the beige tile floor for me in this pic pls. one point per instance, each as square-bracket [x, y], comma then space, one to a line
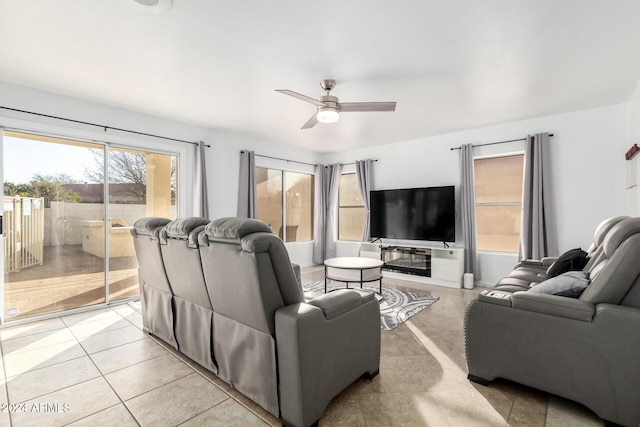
[98, 368]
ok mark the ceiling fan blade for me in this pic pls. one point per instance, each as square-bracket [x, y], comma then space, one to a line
[311, 122]
[366, 106]
[301, 97]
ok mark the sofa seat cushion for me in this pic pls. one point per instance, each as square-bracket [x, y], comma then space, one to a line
[570, 284]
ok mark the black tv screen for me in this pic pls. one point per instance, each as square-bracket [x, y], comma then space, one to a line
[414, 214]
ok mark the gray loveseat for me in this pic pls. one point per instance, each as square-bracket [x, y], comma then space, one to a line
[224, 293]
[585, 349]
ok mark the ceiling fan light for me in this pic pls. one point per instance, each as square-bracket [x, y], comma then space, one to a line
[328, 115]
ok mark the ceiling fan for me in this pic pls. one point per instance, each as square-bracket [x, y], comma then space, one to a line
[329, 106]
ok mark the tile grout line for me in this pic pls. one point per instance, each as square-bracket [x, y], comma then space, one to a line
[100, 374]
[103, 375]
[4, 373]
[125, 318]
[546, 409]
[90, 415]
[361, 411]
[208, 409]
[180, 356]
[33, 370]
[513, 403]
[110, 386]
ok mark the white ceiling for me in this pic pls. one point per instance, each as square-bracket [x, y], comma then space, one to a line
[449, 64]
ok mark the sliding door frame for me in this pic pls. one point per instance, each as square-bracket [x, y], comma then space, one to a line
[185, 157]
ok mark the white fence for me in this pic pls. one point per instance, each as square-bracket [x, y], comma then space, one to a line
[23, 232]
[63, 221]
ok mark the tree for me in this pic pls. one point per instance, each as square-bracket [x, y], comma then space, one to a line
[49, 187]
[126, 167]
[12, 189]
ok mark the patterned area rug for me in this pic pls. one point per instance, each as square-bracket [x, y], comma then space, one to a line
[396, 306]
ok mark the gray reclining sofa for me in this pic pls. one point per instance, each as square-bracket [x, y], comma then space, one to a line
[586, 349]
[224, 293]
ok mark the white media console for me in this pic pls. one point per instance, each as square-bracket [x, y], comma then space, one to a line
[422, 264]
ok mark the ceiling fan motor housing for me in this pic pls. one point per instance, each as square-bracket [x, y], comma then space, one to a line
[329, 101]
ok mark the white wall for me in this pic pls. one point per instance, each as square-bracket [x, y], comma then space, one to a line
[633, 165]
[588, 171]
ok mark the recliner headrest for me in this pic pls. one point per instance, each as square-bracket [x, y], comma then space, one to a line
[604, 227]
[619, 233]
[147, 224]
[184, 229]
[235, 228]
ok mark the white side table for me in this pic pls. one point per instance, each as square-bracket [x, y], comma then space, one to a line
[353, 270]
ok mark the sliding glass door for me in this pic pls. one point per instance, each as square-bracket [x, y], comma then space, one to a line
[66, 232]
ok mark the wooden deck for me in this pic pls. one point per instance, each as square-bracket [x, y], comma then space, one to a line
[69, 278]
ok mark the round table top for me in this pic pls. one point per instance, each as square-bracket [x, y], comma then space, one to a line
[355, 263]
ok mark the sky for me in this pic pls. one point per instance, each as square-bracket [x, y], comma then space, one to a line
[24, 157]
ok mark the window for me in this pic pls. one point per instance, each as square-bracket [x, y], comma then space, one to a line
[498, 185]
[295, 209]
[351, 212]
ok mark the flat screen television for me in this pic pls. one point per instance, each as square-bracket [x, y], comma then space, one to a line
[414, 214]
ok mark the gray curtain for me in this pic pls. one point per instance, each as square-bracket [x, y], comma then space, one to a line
[326, 183]
[468, 211]
[363, 174]
[247, 207]
[319, 203]
[538, 236]
[200, 198]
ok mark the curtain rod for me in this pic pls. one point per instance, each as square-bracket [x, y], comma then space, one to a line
[494, 143]
[295, 161]
[353, 163]
[302, 163]
[279, 158]
[100, 126]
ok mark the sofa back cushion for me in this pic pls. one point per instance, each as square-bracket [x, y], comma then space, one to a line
[179, 245]
[247, 272]
[147, 245]
[602, 230]
[614, 276]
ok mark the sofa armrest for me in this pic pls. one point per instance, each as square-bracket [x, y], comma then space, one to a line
[318, 357]
[529, 263]
[544, 262]
[339, 302]
[554, 305]
[496, 297]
